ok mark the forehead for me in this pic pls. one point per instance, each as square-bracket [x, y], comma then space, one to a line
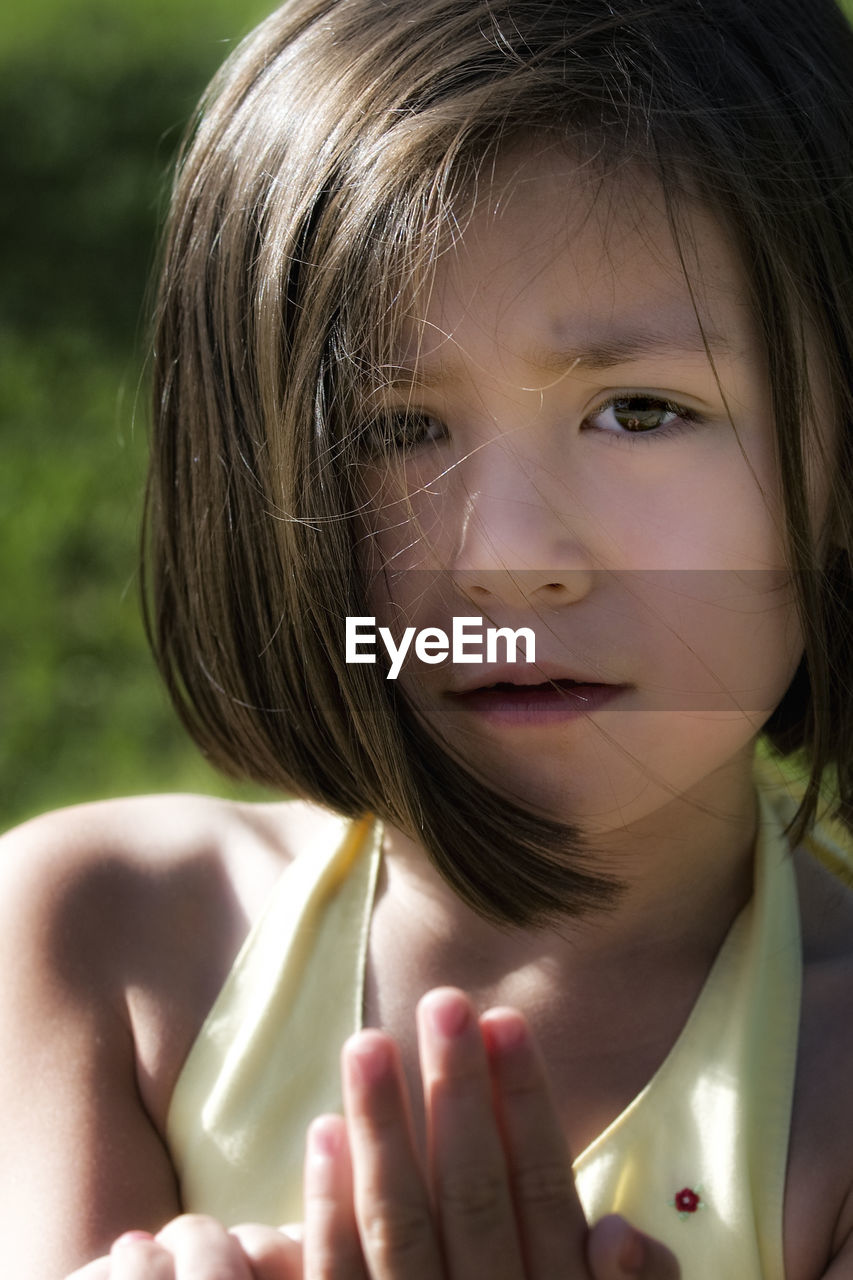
[554, 259]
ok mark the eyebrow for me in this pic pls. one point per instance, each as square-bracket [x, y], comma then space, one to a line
[607, 352]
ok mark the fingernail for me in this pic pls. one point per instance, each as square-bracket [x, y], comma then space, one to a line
[322, 1168]
[324, 1139]
[449, 1014]
[632, 1255]
[507, 1033]
[131, 1237]
[369, 1060]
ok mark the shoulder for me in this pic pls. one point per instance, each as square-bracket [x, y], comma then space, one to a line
[118, 923]
[819, 1204]
[119, 871]
[130, 913]
[100, 847]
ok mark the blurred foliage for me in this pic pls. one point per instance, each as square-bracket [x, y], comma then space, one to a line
[93, 99]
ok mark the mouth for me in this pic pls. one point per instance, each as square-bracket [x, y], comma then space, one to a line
[546, 702]
[509, 677]
[510, 686]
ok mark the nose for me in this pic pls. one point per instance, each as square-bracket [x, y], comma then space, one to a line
[516, 546]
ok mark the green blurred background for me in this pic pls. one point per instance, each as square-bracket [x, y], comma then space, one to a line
[94, 95]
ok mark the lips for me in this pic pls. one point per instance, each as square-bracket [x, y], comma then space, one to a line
[508, 703]
[510, 686]
[579, 690]
[517, 677]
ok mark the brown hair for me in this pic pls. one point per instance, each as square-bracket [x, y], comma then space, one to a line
[328, 161]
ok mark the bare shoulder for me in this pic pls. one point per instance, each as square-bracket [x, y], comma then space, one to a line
[114, 877]
[118, 924]
[95, 850]
[819, 1198]
[141, 904]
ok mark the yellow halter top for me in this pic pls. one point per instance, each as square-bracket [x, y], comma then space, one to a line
[697, 1159]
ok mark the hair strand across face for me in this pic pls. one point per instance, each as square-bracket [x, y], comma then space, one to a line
[336, 157]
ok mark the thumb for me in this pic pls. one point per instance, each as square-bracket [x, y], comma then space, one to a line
[617, 1251]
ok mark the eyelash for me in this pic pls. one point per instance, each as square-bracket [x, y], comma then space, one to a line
[686, 419]
[393, 431]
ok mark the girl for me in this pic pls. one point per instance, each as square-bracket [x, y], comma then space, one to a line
[536, 315]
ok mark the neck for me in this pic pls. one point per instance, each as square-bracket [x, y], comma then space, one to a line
[686, 872]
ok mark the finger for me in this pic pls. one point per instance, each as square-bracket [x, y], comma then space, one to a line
[395, 1221]
[330, 1244]
[616, 1251]
[138, 1256]
[203, 1248]
[97, 1270]
[271, 1254]
[551, 1222]
[467, 1163]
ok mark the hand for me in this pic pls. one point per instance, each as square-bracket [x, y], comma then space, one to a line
[498, 1199]
[199, 1248]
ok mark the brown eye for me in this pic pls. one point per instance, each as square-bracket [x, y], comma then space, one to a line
[411, 430]
[642, 415]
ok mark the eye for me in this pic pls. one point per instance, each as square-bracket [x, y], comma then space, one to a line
[638, 415]
[407, 429]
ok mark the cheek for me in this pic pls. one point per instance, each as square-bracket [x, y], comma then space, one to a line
[409, 522]
[715, 641]
[712, 516]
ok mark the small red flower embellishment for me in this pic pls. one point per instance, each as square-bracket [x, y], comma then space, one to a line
[687, 1201]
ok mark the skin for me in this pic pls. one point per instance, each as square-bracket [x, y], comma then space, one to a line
[653, 559]
[120, 921]
[502, 1192]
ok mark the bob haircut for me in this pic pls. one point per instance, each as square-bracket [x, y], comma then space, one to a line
[330, 162]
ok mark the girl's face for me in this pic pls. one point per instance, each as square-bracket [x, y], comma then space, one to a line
[586, 450]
